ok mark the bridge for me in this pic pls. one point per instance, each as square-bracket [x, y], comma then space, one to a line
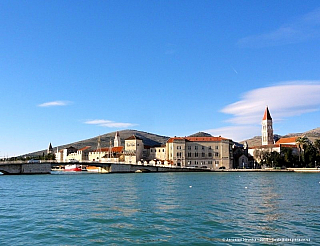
[45, 167]
[131, 168]
[25, 168]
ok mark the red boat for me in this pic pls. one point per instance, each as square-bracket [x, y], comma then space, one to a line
[73, 168]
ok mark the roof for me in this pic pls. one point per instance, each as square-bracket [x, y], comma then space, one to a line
[197, 139]
[292, 140]
[171, 140]
[85, 148]
[267, 115]
[113, 149]
[133, 137]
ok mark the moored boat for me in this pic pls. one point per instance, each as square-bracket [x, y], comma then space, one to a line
[93, 169]
[73, 168]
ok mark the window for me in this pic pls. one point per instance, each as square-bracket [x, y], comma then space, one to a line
[195, 147]
[203, 154]
[189, 154]
[216, 154]
[217, 147]
[210, 154]
[196, 154]
[189, 147]
[203, 147]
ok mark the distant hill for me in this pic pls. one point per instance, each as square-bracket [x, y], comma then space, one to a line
[312, 135]
[201, 134]
[149, 139]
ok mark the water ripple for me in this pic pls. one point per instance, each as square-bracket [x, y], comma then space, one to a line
[162, 208]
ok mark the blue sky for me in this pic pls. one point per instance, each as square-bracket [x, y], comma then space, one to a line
[71, 70]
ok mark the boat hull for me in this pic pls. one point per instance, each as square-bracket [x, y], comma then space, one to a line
[72, 168]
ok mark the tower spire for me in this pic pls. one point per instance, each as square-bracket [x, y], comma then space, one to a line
[267, 129]
[267, 115]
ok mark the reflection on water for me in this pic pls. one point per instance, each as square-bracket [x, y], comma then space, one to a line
[162, 208]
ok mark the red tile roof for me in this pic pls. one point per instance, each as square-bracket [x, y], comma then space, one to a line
[85, 148]
[287, 140]
[113, 149]
[175, 138]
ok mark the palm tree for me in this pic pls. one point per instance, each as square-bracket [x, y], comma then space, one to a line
[302, 142]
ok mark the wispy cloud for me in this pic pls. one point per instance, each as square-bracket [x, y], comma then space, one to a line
[54, 103]
[284, 100]
[109, 123]
[304, 28]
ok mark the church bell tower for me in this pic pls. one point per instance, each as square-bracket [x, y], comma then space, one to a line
[117, 140]
[267, 130]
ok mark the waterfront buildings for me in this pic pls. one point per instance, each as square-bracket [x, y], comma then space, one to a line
[192, 152]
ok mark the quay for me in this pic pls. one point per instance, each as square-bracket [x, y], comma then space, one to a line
[16, 168]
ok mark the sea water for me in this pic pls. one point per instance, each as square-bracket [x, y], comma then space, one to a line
[160, 209]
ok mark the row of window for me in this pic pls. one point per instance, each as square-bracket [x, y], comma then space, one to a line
[197, 147]
[196, 154]
[159, 150]
[202, 162]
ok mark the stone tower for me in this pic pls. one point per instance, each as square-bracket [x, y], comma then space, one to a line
[50, 149]
[117, 140]
[267, 130]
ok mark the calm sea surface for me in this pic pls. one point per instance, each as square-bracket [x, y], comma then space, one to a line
[160, 209]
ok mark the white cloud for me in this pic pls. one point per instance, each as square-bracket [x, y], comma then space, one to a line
[284, 100]
[54, 103]
[109, 123]
[304, 28]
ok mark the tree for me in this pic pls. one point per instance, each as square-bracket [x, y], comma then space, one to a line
[310, 155]
[302, 143]
[317, 146]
